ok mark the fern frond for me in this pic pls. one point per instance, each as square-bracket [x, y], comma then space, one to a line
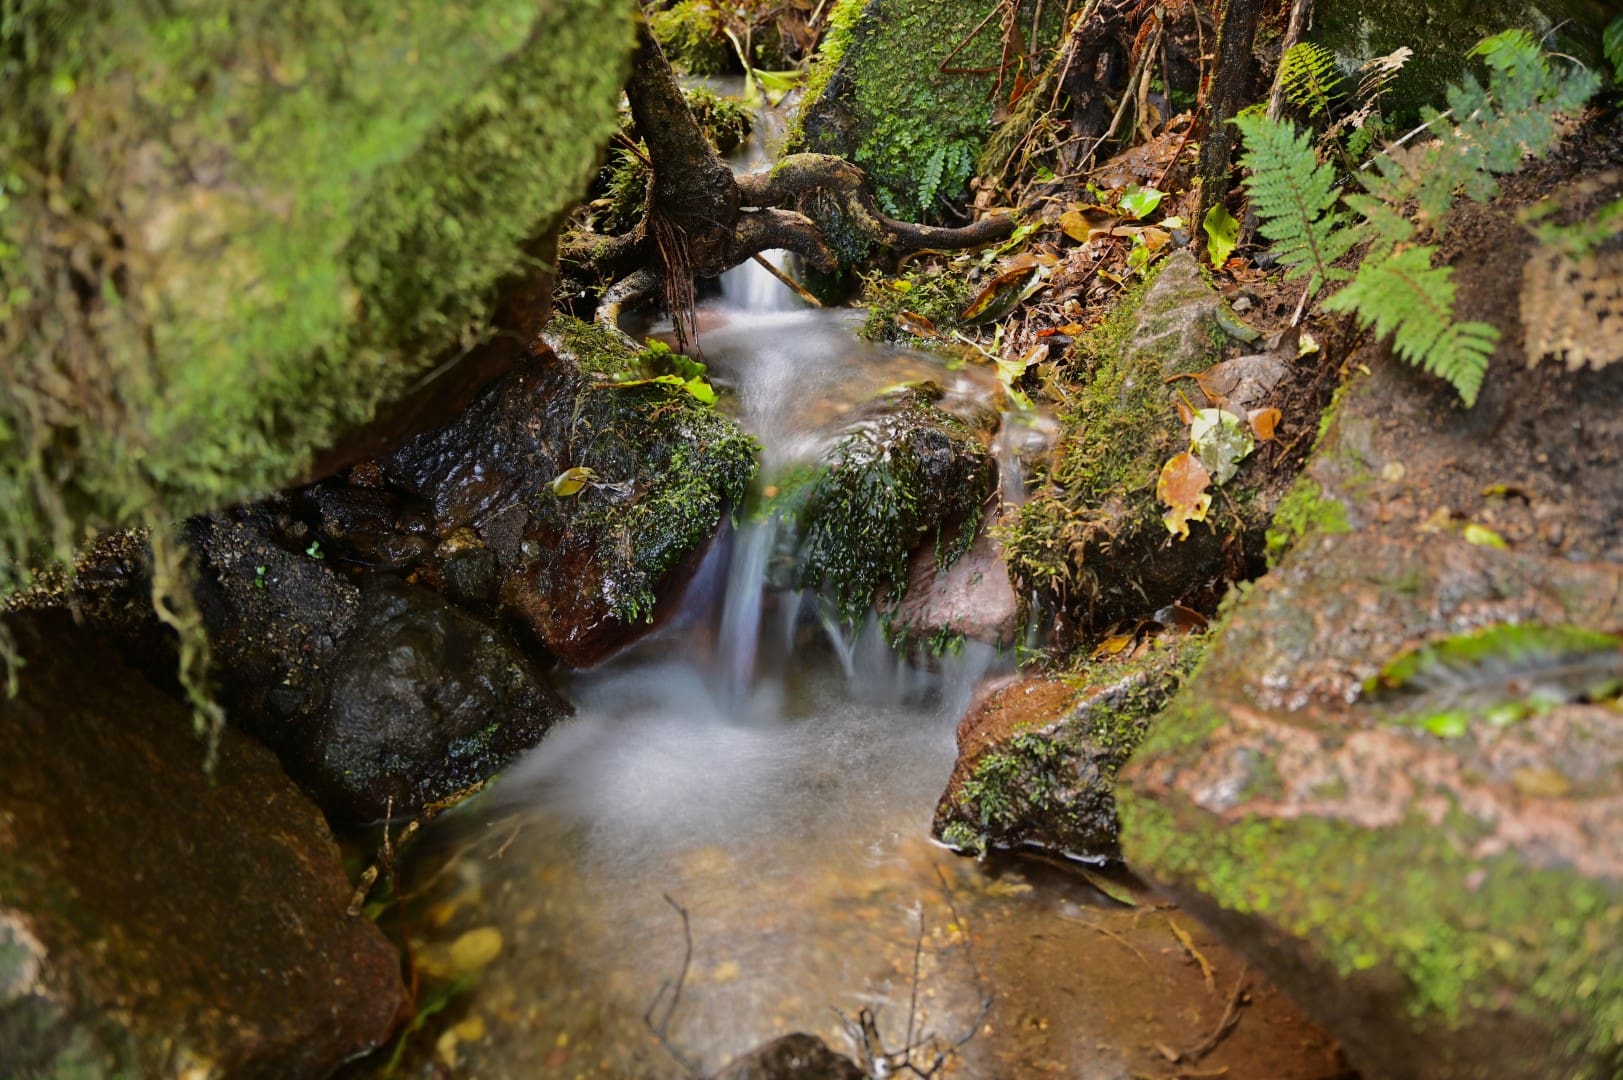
[1405, 296]
[1307, 77]
[1295, 197]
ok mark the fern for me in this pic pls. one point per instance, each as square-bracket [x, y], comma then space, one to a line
[1397, 291]
[1407, 297]
[1307, 77]
[1295, 196]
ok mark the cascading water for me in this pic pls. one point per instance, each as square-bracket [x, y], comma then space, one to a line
[775, 781]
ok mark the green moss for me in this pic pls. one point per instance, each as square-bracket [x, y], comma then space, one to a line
[893, 482]
[878, 96]
[691, 34]
[1466, 936]
[1304, 509]
[265, 223]
[1116, 433]
[937, 295]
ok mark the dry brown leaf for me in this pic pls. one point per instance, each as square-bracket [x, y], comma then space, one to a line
[1086, 223]
[1573, 308]
[1263, 423]
[1183, 487]
[917, 325]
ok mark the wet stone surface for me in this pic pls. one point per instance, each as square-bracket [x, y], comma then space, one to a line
[154, 921]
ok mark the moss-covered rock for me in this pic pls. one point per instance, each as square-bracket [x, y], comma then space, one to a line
[878, 96]
[580, 570]
[906, 475]
[692, 34]
[1439, 32]
[1037, 758]
[155, 921]
[1091, 542]
[1447, 898]
[227, 237]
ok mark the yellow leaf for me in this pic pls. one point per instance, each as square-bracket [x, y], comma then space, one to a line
[1183, 487]
[570, 481]
[1486, 537]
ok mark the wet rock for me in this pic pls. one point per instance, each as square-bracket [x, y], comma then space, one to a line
[972, 598]
[155, 921]
[792, 1057]
[1038, 756]
[583, 574]
[1448, 905]
[906, 477]
[1092, 543]
[380, 697]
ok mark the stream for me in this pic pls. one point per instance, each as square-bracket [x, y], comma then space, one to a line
[756, 778]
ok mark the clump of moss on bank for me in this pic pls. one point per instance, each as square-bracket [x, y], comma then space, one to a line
[227, 237]
[878, 96]
[1091, 539]
[937, 295]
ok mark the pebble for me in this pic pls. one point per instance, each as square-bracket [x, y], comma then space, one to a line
[475, 949]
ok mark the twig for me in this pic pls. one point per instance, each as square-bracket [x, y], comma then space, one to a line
[661, 1030]
[913, 998]
[1231, 1020]
[1188, 944]
[799, 289]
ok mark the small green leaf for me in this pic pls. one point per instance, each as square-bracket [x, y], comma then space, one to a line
[1222, 234]
[701, 390]
[570, 481]
[1141, 202]
[1484, 537]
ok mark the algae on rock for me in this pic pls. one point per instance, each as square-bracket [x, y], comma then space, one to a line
[226, 238]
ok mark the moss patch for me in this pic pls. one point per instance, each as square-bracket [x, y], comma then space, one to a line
[936, 294]
[878, 96]
[910, 473]
[1464, 935]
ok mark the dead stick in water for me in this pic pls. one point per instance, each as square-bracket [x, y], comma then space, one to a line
[799, 289]
[1231, 1020]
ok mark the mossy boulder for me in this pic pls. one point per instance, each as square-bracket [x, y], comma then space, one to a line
[1439, 32]
[879, 97]
[155, 921]
[1038, 757]
[580, 569]
[228, 238]
[906, 476]
[1091, 542]
[1442, 889]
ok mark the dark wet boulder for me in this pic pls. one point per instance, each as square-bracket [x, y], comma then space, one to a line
[1038, 756]
[1091, 543]
[379, 696]
[156, 921]
[580, 569]
[792, 1057]
[970, 598]
[907, 477]
[1397, 782]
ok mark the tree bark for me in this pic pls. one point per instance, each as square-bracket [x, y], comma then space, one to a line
[1235, 38]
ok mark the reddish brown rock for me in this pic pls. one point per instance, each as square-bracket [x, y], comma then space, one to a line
[154, 921]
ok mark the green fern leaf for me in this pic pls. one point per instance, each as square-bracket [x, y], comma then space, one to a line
[1405, 296]
[1307, 77]
[1294, 196]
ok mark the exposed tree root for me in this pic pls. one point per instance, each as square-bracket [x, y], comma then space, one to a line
[704, 220]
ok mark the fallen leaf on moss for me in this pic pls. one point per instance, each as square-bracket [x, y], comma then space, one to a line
[1183, 487]
[917, 325]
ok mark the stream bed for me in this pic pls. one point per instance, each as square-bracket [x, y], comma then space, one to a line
[739, 813]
